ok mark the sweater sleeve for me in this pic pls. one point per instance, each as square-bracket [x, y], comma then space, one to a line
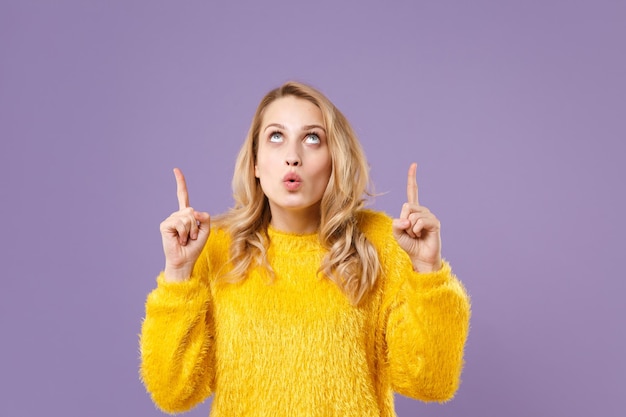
[426, 326]
[176, 342]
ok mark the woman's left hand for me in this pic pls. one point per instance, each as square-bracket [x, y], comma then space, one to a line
[418, 230]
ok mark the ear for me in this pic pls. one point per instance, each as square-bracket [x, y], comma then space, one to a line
[256, 171]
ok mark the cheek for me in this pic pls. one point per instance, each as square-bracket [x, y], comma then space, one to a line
[263, 160]
[322, 172]
[325, 166]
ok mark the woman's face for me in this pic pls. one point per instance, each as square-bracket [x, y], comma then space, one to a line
[293, 161]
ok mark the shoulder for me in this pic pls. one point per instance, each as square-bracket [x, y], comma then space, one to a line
[215, 253]
[220, 230]
[376, 225]
[219, 238]
[218, 244]
[378, 229]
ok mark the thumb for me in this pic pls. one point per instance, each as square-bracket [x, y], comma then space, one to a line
[205, 223]
[399, 226]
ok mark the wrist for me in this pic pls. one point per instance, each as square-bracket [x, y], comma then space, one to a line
[426, 267]
[177, 274]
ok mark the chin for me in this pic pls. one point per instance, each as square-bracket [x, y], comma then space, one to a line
[294, 205]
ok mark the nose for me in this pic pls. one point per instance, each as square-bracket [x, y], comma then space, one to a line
[293, 161]
[293, 157]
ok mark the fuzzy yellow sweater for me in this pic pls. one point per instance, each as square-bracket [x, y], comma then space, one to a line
[295, 346]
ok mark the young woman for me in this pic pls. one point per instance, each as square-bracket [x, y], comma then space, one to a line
[299, 302]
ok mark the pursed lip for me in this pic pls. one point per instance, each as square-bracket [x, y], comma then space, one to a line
[292, 177]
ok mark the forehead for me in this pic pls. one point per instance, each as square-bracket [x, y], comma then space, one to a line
[293, 112]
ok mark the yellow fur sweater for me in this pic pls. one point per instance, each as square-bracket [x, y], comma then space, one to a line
[295, 346]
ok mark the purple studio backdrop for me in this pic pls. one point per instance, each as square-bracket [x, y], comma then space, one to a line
[514, 111]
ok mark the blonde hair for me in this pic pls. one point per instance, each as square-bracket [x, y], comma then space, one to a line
[351, 262]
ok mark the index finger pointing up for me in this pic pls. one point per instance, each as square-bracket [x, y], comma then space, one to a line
[181, 189]
[411, 185]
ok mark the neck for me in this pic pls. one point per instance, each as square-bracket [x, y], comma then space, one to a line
[299, 222]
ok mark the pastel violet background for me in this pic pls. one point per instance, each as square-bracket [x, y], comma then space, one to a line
[515, 112]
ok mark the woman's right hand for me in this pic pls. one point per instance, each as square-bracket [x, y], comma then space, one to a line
[184, 234]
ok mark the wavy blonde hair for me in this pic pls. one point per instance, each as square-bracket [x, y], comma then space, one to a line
[351, 262]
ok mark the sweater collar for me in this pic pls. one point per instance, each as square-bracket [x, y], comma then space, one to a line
[292, 242]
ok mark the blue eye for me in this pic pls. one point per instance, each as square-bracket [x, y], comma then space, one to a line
[276, 137]
[313, 138]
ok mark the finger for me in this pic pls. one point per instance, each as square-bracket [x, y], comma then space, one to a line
[411, 212]
[203, 218]
[399, 226]
[418, 219]
[418, 227]
[204, 223]
[411, 185]
[424, 222]
[193, 227]
[403, 224]
[182, 229]
[188, 217]
[181, 189]
[406, 210]
[412, 208]
[409, 209]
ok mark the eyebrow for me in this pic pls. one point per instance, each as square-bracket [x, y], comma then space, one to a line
[306, 127]
[310, 127]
